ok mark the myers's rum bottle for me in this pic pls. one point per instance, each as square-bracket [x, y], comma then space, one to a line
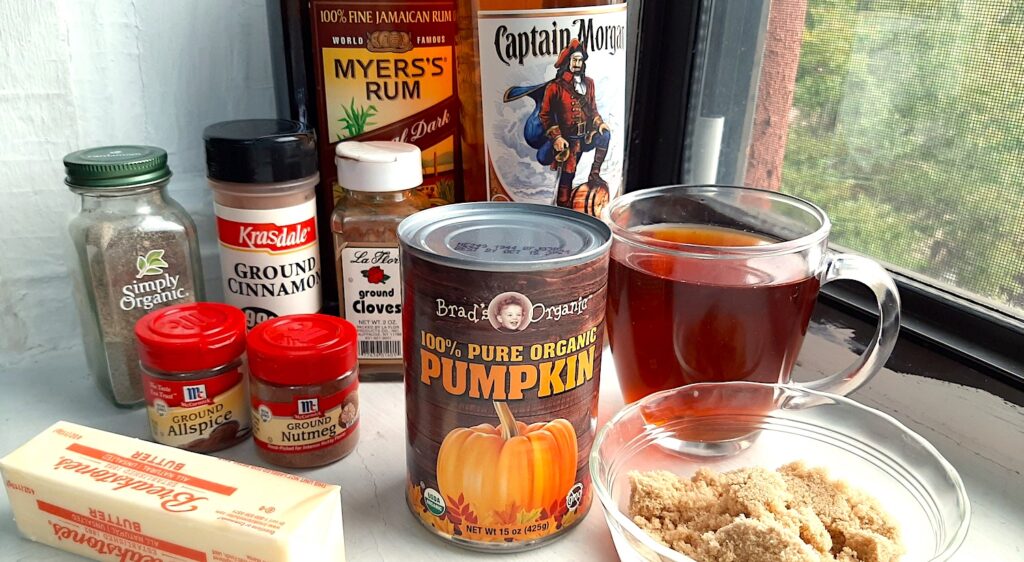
[370, 70]
[542, 85]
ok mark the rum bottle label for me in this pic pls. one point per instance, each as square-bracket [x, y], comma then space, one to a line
[554, 104]
[386, 71]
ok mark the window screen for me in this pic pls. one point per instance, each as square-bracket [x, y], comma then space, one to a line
[904, 119]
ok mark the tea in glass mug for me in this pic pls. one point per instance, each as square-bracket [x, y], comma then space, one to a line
[713, 283]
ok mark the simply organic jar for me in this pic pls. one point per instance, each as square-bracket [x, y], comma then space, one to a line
[135, 250]
[503, 324]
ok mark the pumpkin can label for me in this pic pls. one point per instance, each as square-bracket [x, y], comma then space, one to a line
[502, 376]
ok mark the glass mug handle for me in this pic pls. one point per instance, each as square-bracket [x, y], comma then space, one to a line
[867, 272]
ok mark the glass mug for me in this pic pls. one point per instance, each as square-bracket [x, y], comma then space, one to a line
[712, 283]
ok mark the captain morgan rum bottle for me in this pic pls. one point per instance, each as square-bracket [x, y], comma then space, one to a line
[542, 91]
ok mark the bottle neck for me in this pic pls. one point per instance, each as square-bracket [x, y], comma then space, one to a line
[373, 197]
[124, 199]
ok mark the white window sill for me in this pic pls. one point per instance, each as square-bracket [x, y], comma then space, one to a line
[980, 434]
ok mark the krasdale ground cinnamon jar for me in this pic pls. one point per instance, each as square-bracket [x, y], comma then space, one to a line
[192, 358]
[263, 176]
[303, 388]
[503, 326]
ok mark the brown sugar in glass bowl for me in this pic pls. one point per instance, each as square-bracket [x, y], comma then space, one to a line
[303, 384]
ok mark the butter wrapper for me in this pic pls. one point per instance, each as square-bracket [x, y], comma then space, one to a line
[110, 497]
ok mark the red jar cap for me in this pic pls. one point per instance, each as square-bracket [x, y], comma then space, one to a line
[302, 349]
[190, 337]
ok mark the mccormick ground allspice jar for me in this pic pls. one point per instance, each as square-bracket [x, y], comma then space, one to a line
[305, 408]
[503, 322]
[192, 374]
[263, 173]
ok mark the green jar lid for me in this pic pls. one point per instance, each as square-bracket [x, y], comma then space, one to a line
[112, 167]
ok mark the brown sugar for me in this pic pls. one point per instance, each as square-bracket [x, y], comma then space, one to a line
[794, 514]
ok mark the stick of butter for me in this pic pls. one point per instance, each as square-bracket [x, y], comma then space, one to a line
[110, 497]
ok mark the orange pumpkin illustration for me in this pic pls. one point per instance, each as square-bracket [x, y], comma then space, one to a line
[496, 467]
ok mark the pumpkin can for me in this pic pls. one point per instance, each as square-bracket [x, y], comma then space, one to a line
[503, 323]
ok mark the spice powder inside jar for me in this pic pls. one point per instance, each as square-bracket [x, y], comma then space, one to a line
[303, 388]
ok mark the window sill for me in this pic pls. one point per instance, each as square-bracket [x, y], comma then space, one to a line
[978, 432]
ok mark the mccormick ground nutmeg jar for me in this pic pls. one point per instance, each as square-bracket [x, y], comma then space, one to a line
[303, 388]
[192, 358]
[378, 182]
[263, 174]
[504, 323]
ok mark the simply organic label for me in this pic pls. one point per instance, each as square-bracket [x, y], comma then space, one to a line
[198, 415]
[372, 286]
[270, 260]
[553, 91]
[388, 73]
[306, 423]
[153, 285]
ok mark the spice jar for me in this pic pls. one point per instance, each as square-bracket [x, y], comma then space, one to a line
[192, 374]
[134, 250]
[263, 175]
[304, 382]
[378, 180]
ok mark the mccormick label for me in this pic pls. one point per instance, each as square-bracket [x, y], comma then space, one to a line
[270, 260]
[199, 415]
[388, 73]
[306, 423]
[553, 92]
[371, 280]
[502, 376]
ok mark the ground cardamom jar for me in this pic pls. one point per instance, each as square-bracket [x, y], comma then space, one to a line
[192, 358]
[303, 384]
[134, 250]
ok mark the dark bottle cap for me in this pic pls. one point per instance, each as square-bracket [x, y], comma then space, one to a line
[260, 151]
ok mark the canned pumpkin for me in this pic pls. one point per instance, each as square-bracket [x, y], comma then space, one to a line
[503, 320]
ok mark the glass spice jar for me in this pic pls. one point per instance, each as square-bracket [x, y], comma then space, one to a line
[303, 384]
[263, 173]
[378, 181]
[192, 358]
[134, 250]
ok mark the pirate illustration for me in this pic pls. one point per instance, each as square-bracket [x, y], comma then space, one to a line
[566, 123]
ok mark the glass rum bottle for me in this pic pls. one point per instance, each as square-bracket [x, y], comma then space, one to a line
[542, 86]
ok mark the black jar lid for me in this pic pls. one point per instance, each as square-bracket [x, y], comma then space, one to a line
[260, 151]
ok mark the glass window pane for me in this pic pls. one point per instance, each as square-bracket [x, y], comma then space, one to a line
[904, 119]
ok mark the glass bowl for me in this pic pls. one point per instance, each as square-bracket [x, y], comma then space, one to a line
[729, 425]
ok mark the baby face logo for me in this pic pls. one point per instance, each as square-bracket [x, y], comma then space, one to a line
[509, 312]
[375, 275]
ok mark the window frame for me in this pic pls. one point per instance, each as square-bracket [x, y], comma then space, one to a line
[668, 44]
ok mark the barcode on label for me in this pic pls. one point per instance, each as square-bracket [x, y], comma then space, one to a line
[380, 349]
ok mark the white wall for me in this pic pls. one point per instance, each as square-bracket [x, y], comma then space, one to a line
[82, 73]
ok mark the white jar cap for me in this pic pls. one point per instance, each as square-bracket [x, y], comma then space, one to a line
[378, 165]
